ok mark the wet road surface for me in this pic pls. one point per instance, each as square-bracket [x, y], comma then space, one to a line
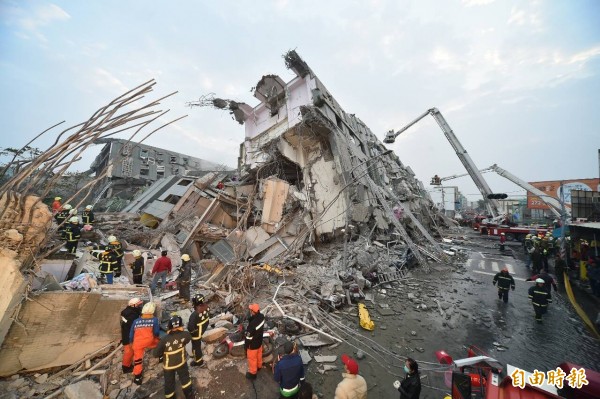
[472, 315]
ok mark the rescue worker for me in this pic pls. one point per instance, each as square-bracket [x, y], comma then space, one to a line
[536, 258]
[144, 335]
[137, 266]
[107, 260]
[73, 212]
[505, 282]
[526, 244]
[184, 278]
[502, 241]
[162, 266]
[117, 248]
[289, 371]
[410, 387]
[353, 386]
[545, 255]
[56, 205]
[254, 341]
[540, 298]
[87, 216]
[171, 350]
[549, 282]
[128, 315]
[72, 234]
[560, 268]
[197, 325]
[61, 216]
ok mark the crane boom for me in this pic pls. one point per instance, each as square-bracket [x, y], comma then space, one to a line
[553, 203]
[482, 186]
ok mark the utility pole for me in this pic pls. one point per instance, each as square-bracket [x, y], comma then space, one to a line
[563, 219]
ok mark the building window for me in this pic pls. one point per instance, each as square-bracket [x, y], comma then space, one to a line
[144, 172]
[143, 154]
[173, 159]
[172, 199]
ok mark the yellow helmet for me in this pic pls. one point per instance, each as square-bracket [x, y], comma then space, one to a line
[57, 198]
[185, 257]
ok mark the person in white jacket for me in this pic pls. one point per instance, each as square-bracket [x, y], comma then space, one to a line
[353, 386]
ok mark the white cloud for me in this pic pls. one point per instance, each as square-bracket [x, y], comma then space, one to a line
[105, 80]
[443, 58]
[43, 16]
[471, 3]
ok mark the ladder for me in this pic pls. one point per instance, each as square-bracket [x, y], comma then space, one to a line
[383, 278]
[426, 252]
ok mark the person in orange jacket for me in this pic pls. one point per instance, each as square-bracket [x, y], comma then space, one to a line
[254, 341]
[131, 313]
[144, 335]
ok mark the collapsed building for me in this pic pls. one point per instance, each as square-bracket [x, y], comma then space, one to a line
[309, 175]
[316, 171]
[127, 167]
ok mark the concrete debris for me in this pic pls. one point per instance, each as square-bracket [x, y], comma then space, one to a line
[317, 202]
[325, 359]
[83, 389]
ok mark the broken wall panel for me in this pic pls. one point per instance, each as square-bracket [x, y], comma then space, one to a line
[59, 328]
[274, 193]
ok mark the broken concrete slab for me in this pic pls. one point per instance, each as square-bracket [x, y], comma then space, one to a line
[325, 358]
[214, 335]
[315, 340]
[83, 389]
[76, 323]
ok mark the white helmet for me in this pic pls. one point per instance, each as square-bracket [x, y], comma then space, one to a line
[149, 308]
[185, 257]
[137, 252]
[135, 302]
[89, 207]
[73, 212]
[112, 238]
[540, 280]
[74, 219]
[67, 207]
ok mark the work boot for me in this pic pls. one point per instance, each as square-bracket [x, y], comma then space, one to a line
[127, 369]
[250, 376]
[200, 364]
[137, 379]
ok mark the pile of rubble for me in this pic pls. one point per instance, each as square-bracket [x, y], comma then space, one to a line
[319, 215]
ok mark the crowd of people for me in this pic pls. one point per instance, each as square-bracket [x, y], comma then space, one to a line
[140, 332]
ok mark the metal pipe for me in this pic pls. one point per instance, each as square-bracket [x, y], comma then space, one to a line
[300, 321]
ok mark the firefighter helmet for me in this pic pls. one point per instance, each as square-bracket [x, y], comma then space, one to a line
[540, 280]
[149, 308]
[89, 207]
[198, 299]
[185, 257]
[175, 322]
[112, 238]
[137, 252]
[57, 198]
[135, 302]
[67, 207]
[73, 211]
[74, 219]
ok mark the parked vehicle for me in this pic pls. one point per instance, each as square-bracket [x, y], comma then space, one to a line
[233, 344]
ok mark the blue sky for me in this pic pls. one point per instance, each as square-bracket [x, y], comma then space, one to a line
[518, 81]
